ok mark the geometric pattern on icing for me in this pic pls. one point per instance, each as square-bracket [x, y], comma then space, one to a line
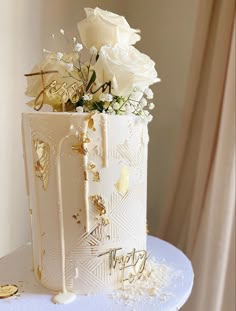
[85, 272]
[92, 269]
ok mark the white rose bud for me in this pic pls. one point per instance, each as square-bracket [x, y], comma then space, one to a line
[105, 28]
[137, 69]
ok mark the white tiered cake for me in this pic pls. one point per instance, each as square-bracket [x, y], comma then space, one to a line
[86, 161]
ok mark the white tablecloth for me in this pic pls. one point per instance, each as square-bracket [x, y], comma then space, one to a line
[16, 268]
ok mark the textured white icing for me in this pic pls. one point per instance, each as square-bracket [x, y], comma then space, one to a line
[67, 237]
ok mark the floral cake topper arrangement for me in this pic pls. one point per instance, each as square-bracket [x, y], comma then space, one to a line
[115, 78]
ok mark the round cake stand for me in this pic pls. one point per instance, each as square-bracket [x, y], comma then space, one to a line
[15, 268]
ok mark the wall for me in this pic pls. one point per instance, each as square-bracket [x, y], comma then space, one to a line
[25, 27]
[20, 35]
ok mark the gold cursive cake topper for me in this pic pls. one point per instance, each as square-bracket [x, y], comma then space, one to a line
[54, 90]
[132, 265]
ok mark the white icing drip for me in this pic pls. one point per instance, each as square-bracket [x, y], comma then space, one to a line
[61, 221]
[105, 140]
[39, 231]
[86, 184]
[64, 298]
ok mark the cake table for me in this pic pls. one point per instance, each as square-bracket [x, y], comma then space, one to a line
[176, 284]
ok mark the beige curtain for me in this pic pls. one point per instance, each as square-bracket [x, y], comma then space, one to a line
[200, 214]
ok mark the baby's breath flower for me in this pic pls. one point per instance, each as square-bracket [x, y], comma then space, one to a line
[137, 89]
[87, 97]
[62, 31]
[116, 106]
[143, 102]
[93, 50]
[59, 55]
[149, 93]
[78, 47]
[128, 109]
[74, 39]
[110, 109]
[151, 106]
[106, 97]
[149, 118]
[69, 66]
[79, 109]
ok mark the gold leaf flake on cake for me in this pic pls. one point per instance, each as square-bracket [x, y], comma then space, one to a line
[91, 122]
[80, 147]
[39, 273]
[122, 184]
[77, 218]
[91, 166]
[95, 173]
[85, 175]
[41, 165]
[96, 176]
[99, 203]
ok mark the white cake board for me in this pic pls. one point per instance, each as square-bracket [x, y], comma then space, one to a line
[16, 268]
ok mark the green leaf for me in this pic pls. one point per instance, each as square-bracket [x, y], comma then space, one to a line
[91, 81]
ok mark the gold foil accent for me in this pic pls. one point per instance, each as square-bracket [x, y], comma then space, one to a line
[85, 175]
[104, 220]
[80, 147]
[77, 218]
[39, 273]
[41, 166]
[91, 166]
[96, 174]
[122, 184]
[98, 203]
[90, 123]
[8, 290]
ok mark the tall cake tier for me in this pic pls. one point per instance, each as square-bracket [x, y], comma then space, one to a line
[86, 178]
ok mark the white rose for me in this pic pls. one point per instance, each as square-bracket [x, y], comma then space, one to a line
[126, 68]
[105, 28]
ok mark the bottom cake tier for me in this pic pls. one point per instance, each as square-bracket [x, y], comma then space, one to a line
[86, 177]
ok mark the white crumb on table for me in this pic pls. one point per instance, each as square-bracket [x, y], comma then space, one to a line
[148, 289]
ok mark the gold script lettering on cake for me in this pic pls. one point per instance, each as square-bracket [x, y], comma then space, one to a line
[132, 265]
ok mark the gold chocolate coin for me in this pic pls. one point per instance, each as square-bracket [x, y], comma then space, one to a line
[8, 290]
